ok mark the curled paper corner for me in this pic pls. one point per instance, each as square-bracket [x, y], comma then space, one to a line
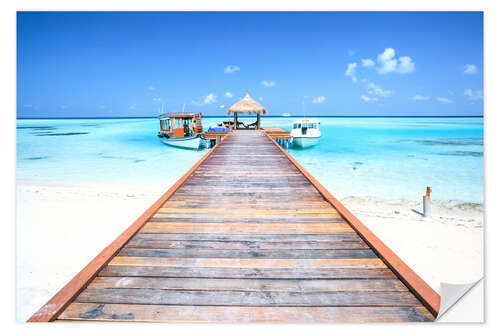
[451, 293]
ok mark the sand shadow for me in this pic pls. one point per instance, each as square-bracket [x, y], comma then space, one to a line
[417, 212]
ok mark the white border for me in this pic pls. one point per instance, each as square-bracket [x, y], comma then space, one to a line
[492, 110]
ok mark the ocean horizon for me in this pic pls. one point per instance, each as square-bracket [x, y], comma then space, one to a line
[388, 158]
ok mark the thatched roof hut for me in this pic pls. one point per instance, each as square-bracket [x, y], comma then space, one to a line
[247, 105]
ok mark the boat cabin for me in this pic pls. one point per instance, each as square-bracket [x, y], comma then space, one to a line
[305, 126]
[177, 125]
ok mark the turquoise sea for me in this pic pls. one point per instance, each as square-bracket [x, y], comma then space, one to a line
[386, 158]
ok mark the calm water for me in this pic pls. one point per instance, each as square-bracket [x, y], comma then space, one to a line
[392, 158]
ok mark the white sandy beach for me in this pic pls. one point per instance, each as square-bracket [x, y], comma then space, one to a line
[61, 227]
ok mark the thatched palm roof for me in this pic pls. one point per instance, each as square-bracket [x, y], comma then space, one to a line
[247, 105]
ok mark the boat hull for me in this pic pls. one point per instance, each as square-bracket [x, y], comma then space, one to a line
[191, 142]
[305, 142]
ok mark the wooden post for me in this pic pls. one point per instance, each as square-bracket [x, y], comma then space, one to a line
[217, 139]
[258, 120]
[235, 126]
[427, 202]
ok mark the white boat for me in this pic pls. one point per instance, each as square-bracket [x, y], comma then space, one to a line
[181, 129]
[305, 133]
[189, 142]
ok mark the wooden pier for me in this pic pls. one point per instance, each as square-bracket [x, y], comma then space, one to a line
[247, 235]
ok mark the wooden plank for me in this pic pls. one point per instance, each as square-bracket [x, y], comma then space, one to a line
[334, 237]
[247, 284]
[247, 262]
[415, 283]
[244, 245]
[249, 273]
[234, 314]
[223, 211]
[265, 254]
[247, 298]
[245, 228]
[58, 302]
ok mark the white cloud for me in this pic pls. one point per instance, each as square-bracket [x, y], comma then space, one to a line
[367, 63]
[420, 98]
[319, 99]
[364, 80]
[351, 71]
[231, 69]
[406, 65]
[156, 99]
[132, 107]
[470, 69]
[374, 89]
[473, 95]
[444, 100]
[266, 83]
[389, 64]
[151, 88]
[210, 98]
[369, 99]
[228, 95]
[351, 52]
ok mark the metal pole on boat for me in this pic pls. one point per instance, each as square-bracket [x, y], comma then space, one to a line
[427, 202]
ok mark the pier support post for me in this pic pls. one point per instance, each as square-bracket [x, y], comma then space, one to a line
[427, 202]
[217, 139]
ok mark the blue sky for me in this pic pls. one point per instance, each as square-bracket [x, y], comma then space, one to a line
[115, 64]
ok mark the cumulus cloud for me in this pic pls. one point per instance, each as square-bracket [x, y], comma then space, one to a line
[388, 63]
[367, 63]
[351, 71]
[444, 100]
[374, 89]
[369, 99]
[231, 69]
[420, 98]
[210, 98]
[470, 69]
[228, 95]
[473, 95]
[319, 99]
[266, 83]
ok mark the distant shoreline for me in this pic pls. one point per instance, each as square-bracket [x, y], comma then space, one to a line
[223, 116]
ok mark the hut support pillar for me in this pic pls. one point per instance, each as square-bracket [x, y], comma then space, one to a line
[258, 120]
[235, 120]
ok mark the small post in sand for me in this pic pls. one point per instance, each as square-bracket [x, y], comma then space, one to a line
[427, 202]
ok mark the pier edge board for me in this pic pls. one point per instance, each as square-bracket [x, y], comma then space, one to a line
[428, 296]
[58, 303]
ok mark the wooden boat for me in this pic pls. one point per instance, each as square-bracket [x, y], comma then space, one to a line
[305, 133]
[181, 129]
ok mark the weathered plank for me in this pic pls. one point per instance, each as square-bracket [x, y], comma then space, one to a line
[246, 228]
[249, 273]
[247, 262]
[234, 314]
[247, 284]
[244, 245]
[267, 254]
[247, 298]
